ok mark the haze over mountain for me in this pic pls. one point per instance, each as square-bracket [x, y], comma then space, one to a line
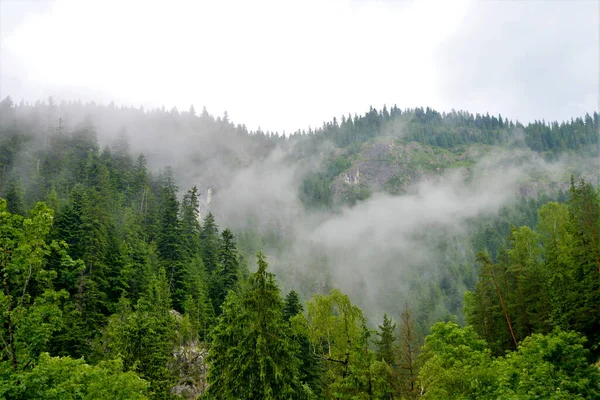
[427, 226]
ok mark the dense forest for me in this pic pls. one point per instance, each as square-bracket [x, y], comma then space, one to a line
[123, 279]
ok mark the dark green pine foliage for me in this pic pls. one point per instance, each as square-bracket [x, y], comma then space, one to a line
[144, 338]
[190, 226]
[387, 353]
[311, 370]
[227, 274]
[15, 196]
[543, 279]
[83, 142]
[83, 226]
[198, 305]
[584, 299]
[292, 305]
[210, 243]
[139, 186]
[122, 171]
[228, 258]
[101, 251]
[252, 354]
[169, 243]
[386, 342]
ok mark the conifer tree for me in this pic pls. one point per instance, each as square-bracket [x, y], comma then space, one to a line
[252, 354]
[385, 345]
[292, 305]
[227, 274]
[190, 227]
[210, 243]
[15, 196]
[169, 244]
[584, 299]
[145, 338]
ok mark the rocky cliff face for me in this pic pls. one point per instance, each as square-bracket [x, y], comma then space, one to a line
[389, 165]
[189, 362]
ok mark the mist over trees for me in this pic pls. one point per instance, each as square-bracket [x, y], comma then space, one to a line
[156, 254]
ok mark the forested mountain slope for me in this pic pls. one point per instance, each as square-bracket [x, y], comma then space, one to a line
[129, 239]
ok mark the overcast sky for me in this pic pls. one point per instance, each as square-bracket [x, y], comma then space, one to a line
[285, 65]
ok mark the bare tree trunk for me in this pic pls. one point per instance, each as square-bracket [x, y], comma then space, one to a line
[512, 333]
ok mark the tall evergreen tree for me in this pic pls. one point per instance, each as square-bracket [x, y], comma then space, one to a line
[190, 226]
[15, 196]
[145, 338]
[210, 243]
[227, 274]
[252, 354]
[292, 305]
[169, 244]
[385, 344]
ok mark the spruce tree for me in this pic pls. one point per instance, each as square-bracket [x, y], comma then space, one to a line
[227, 274]
[385, 345]
[292, 305]
[169, 244]
[210, 243]
[15, 196]
[190, 227]
[252, 354]
[145, 338]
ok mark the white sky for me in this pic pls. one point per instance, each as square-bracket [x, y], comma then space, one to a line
[285, 65]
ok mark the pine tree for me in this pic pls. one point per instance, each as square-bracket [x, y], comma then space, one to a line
[252, 354]
[385, 345]
[15, 196]
[584, 296]
[169, 244]
[227, 274]
[292, 305]
[210, 243]
[190, 227]
[144, 338]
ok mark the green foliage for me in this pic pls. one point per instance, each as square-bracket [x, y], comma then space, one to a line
[227, 274]
[315, 190]
[543, 279]
[340, 340]
[66, 378]
[190, 226]
[252, 354]
[29, 305]
[15, 197]
[100, 283]
[169, 243]
[292, 305]
[553, 366]
[456, 364]
[210, 243]
[386, 345]
[144, 338]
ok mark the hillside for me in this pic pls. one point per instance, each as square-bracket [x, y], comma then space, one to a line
[143, 255]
